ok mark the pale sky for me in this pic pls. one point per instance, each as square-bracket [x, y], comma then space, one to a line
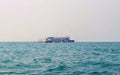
[82, 20]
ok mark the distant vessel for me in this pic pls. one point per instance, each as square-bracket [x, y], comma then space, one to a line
[58, 39]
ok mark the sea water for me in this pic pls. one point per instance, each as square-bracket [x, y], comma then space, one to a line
[85, 58]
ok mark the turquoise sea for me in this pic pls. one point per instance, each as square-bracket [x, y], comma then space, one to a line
[81, 58]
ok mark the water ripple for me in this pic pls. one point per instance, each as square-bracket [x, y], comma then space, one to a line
[60, 58]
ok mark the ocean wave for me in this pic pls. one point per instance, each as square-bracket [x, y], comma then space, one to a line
[60, 58]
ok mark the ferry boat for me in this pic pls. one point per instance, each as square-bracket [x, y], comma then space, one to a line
[58, 40]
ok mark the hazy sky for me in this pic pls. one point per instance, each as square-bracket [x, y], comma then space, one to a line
[82, 20]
